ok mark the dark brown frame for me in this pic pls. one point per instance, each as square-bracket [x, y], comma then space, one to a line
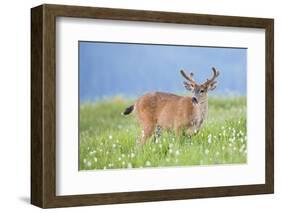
[43, 105]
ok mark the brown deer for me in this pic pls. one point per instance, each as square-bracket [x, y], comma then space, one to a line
[173, 112]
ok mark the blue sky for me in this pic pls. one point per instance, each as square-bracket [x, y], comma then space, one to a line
[130, 70]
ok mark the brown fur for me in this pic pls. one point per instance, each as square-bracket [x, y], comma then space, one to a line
[168, 111]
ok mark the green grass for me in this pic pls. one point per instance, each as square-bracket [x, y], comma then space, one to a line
[108, 139]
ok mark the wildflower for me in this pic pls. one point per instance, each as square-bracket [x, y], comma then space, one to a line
[147, 163]
[209, 139]
[123, 163]
[132, 155]
[84, 160]
[129, 165]
[95, 159]
[217, 153]
[89, 164]
[110, 137]
[207, 151]
[123, 155]
[114, 145]
[119, 159]
[177, 152]
[170, 151]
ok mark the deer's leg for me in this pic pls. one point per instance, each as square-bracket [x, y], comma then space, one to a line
[157, 133]
[146, 133]
[179, 131]
[192, 131]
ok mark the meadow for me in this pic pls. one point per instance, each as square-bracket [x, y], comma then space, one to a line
[108, 139]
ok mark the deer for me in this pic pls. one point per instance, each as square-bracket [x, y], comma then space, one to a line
[167, 111]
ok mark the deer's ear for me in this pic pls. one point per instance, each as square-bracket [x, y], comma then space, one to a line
[188, 86]
[212, 86]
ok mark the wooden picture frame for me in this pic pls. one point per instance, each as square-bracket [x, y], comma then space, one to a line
[43, 105]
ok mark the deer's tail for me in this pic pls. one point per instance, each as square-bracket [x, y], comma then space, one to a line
[128, 110]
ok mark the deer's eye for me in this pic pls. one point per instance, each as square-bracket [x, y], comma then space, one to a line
[201, 91]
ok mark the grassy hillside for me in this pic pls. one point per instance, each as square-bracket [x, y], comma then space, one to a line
[108, 139]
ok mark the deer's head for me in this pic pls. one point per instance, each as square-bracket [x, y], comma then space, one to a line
[199, 91]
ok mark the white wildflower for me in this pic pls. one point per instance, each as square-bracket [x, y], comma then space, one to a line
[177, 152]
[110, 137]
[95, 159]
[209, 139]
[89, 163]
[130, 165]
[132, 155]
[207, 151]
[147, 163]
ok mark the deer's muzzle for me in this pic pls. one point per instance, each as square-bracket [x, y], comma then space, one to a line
[194, 100]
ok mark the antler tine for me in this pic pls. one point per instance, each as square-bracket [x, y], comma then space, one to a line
[188, 77]
[215, 74]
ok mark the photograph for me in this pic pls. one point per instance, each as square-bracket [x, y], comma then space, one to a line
[161, 105]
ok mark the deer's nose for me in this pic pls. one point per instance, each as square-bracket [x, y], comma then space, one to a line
[194, 100]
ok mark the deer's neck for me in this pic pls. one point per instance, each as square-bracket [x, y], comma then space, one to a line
[203, 106]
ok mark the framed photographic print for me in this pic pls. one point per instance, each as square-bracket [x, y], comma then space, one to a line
[136, 106]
